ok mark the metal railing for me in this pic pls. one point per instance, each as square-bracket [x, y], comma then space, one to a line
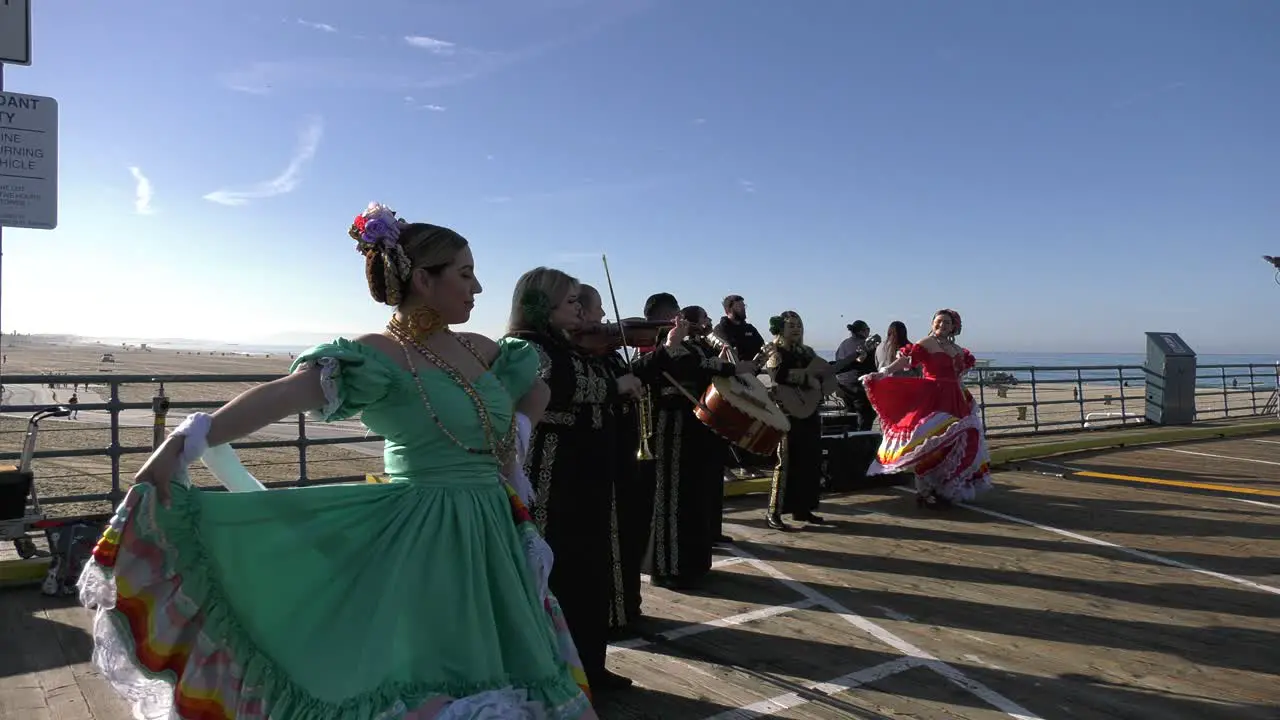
[1014, 400]
[158, 408]
[1031, 400]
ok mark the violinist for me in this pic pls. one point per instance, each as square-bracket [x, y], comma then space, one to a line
[603, 341]
[569, 451]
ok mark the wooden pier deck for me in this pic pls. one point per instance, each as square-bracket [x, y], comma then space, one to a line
[1136, 583]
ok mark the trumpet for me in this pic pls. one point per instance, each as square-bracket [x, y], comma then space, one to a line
[644, 419]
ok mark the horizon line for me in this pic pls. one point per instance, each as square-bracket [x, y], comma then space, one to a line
[198, 343]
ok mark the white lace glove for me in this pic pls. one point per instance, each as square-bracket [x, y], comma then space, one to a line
[194, 432]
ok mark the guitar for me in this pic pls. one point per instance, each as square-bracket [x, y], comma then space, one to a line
[800, 402]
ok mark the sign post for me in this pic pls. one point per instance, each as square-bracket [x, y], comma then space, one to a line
[15, 49]
[15, 32]
[28, 161]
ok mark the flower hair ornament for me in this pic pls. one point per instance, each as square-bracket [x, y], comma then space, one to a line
[536, 306]
[377, 235]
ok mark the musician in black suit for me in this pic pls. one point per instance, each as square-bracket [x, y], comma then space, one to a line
[688, 464]
[797, 480]
[856, 357]
[734, 330]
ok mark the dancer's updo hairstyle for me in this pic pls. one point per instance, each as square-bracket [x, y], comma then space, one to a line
[955, 319]
[778, 323]
[393, 249]
[537, 293]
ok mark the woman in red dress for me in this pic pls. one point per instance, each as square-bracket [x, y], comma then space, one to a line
[931, 425]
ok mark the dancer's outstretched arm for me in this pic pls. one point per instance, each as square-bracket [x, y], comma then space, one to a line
[270, 402]
[250, 411]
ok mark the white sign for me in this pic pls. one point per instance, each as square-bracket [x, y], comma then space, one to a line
[15, 32]
[28, 161]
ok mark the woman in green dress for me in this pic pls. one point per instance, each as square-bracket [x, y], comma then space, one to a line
[425, 597]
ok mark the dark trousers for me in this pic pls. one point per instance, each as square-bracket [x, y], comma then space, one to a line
[580, 581]
[635, 523]
[856, 401]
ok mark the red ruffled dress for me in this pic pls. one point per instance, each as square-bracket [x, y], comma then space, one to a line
[932, 426]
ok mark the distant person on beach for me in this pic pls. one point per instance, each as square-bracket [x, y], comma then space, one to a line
[422, 597]
[931, 425]
[74, 403]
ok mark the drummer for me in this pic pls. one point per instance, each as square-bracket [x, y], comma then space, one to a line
[688, 463]
[797, 480]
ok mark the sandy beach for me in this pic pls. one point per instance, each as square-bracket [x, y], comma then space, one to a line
[1058, 408]
[92, 429]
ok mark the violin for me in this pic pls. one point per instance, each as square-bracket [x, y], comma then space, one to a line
[603, 338]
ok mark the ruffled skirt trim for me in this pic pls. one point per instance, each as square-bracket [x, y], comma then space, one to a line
[167, 641]
[948, 455]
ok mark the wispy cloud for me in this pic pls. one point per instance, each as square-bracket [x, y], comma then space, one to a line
[142, 192]
[441, 63]
[699, 121]
[322, 27]
[285, 182]
[747, 186]
[431, 45]
[412, 102]
[365, 75]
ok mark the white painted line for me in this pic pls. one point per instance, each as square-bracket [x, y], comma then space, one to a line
[894, 614]
[956, 677]
[1120, 548]
[1053, 466]
[699, 628]
[1256, 502]
[717, 563]
[1268, 442]
[787, 701]
[1217, 457]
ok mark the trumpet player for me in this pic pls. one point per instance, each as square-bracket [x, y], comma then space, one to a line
[688, 456]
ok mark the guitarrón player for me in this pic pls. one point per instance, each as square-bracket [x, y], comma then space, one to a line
[798, 476]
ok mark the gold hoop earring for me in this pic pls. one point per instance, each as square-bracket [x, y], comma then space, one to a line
[424, 321]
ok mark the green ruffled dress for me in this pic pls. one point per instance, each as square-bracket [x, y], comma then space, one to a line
[359, 602]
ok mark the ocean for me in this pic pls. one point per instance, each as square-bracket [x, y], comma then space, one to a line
[1106, 364]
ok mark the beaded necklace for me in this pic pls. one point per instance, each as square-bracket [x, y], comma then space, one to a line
[499, 448]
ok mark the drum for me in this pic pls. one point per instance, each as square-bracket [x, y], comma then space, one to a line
[740, 410]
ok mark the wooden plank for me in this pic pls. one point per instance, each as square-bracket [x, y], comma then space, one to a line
[1060, 626]
[985, 595]
[74, 630]
[675, 686]
[29, 646]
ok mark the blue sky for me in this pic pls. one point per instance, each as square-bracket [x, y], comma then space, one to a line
[1066, 175]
